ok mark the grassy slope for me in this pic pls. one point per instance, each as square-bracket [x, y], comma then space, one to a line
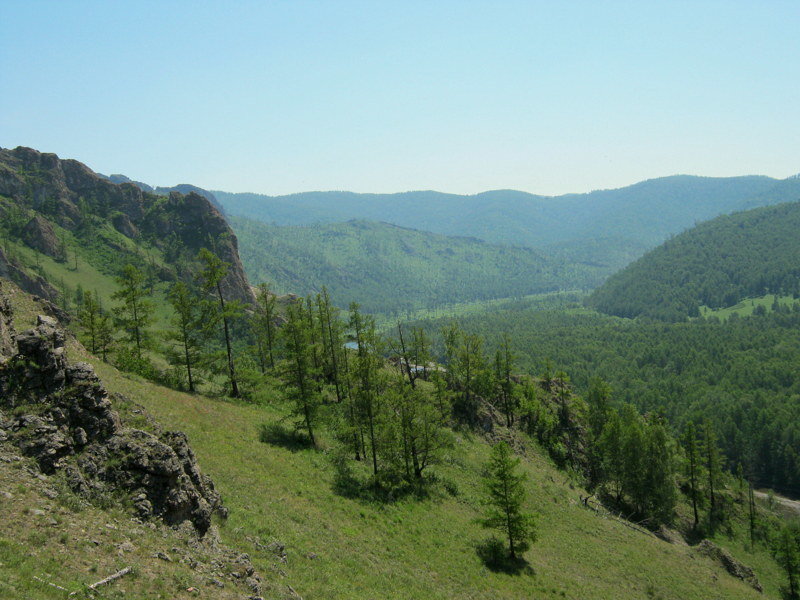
[345, 548]
[60, 539]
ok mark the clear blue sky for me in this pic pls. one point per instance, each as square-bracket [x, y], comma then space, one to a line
[462, 96]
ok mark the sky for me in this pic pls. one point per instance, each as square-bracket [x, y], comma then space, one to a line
[457, 96]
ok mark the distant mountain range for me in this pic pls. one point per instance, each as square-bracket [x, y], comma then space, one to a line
[608, 227]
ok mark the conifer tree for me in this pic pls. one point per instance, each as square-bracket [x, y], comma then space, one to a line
[504, 364]
[505, 496]
[788, 554]
[188, 324]
[300, 366]
[331, 332]
[104, 335]
[135, 312]
[211, 275]
[713, 466]
[263, 322]
[366, 365]
[691, 448]
[89, 315]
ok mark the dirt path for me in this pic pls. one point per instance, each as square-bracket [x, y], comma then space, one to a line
[793, 505]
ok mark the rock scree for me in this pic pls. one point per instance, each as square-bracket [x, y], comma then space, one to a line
[731, 565]
[61, 416]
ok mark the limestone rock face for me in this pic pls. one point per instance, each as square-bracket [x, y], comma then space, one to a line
[64, 419]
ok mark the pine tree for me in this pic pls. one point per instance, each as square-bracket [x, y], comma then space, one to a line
[135, 312]
[505, 498]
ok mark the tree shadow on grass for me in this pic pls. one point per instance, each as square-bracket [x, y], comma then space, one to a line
[494, 555]
[277, 434]
[384, 490]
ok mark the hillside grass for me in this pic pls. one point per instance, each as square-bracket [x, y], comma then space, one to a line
[746, 307]
[343, 547]
[554, 300]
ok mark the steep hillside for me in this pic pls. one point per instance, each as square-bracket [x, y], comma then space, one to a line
[309, 537]
[606, 226]
[388, 268]
[716, 264]
[70, 216]
[91, 486]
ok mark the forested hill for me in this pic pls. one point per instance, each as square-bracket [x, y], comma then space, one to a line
[607, 226]
[387, 268]
[716, 264]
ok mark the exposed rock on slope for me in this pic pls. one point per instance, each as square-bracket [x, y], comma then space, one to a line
[731, 565]
[31, 283]
[70, 194]
[62, 417]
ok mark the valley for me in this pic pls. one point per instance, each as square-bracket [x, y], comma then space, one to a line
[346, 407]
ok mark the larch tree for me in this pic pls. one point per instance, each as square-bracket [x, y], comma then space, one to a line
[263, 324]
[89, 315]
[692, 450]
[134, 314]
[212, 273]
[303, 388]
[188, 327]
[505, 498]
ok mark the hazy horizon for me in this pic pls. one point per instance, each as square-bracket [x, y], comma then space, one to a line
[461, 97]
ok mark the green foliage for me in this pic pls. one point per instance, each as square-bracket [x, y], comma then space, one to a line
[788, 554]
[393, 269]
[739, 374]
[638, 463]
[217, 310]
[188, 325]
[716, 264]
[505, 497]
[134, 314]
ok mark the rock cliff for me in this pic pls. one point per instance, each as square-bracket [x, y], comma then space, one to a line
[69, 194]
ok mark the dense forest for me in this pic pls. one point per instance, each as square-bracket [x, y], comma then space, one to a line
[741, 374]
[389, 269]
[716, 264]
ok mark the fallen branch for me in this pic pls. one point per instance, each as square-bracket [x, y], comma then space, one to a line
[39, 579]
[108, 579]
[291, 589]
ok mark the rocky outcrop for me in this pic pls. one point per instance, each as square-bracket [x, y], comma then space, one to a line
[64, 419]
[64, 190]
[730, 564]
[33, 284]
[39, 235]
[7, 344]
